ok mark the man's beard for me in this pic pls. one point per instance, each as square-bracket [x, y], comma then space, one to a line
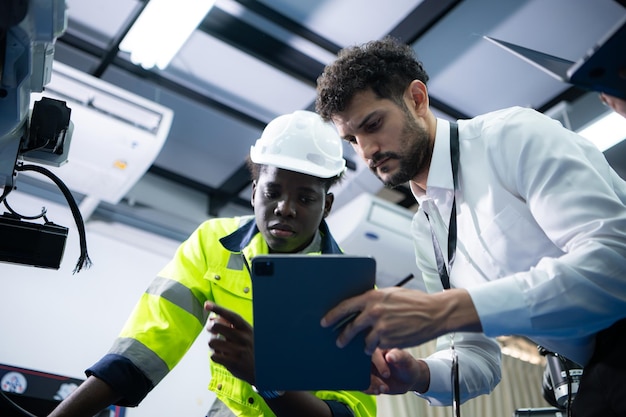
[415, 158]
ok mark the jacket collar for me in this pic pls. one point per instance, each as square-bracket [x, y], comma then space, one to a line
[240, 238]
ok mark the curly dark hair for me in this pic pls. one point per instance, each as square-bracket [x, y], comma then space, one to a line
[385, 66]
[255, 170]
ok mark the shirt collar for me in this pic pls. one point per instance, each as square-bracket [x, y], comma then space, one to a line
[240, 238]
[439, 181]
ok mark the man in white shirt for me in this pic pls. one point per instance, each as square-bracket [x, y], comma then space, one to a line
[528, 220]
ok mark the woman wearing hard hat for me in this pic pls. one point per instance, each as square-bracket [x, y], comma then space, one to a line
[294, 164]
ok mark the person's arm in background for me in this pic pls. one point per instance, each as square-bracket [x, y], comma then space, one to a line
[617, 104]
[88, 399]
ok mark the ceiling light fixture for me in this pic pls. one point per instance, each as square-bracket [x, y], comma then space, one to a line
[606, 131]
[162, 29]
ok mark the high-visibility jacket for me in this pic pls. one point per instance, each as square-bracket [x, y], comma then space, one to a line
[210, 265]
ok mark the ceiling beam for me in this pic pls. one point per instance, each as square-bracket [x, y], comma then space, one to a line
[259, 44]
[421, 19]
[570, 94]
[230, 189]
[114, 46]
[214, 194]
[291, 25]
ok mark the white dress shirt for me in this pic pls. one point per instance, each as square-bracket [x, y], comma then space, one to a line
[541, 247]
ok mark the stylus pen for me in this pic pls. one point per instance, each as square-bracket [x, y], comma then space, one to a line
[352, 316]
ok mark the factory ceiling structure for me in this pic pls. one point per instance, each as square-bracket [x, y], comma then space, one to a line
[249, 61]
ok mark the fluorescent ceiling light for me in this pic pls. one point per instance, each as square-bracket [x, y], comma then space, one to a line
[162, 29]
[605, 132]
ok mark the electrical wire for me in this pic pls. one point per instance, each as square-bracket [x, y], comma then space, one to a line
[21, 216]
[83, 260]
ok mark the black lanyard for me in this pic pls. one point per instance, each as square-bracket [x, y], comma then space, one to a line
[454, 160]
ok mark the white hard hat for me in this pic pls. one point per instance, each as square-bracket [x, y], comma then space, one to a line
[301, 142]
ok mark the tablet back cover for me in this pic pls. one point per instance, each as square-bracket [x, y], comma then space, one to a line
[291, 294]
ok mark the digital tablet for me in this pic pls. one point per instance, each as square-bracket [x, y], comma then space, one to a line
[291, 294]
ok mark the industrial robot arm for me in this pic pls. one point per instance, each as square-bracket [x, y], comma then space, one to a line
[28, 31]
